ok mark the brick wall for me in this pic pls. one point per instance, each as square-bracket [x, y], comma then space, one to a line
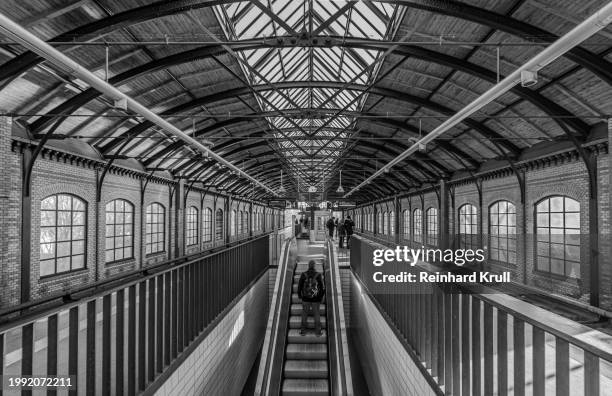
[10, 218]
[220, 365]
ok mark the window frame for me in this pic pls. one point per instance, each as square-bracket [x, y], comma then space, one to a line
[207, 225]
[219, 224]
[473, 237]
[432, 238]
[56, 242]
[494, 251]
[417, 231]
[565, 245]
[148, 251]
[126, 204]
[192, 226]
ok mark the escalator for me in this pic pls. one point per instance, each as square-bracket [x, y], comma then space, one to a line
[306, 370]
[297, 365]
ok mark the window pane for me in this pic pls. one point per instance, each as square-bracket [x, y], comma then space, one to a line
[47, 218]
[571, 205]
[49, 203]
[47, 267]
[78, 262]
[63, 264]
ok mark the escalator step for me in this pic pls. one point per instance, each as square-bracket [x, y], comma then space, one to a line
[307, 351]
[305, 387]
[295, 322]
[306, 369]
[296, 309]
[294, 337]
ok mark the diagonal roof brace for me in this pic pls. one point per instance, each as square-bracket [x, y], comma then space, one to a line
[593, 24]
[18, 33]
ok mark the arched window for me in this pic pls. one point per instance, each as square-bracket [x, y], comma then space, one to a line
[468, 226]
[379, 218]
[385, 224]
[119, 230]
[62, 234]
[391, 227]
[219, 225]
[155, 228]
[207, 225]
[191, 226]
[417, 225]
[233, 222]
[558, 236]
[406, 224]
[502, 232]
[431, 226]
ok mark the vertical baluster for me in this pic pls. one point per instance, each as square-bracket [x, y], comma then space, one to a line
[591, 374]
[180, 289]
[167, 312]
[73, 345]
[519, 357]
[151, 331]
[562, 373]
[476, 355]
[119, 344]
[502, 353]
[434, 331]
[488, 348]
[142, 335]
[175, 326]
[91, 348]
[131, 340]
[456, 342]
[465, 343]
[159, 347]
[106, 344]
[441, 337]
[539, 375]
[51, 349]
[27, 340]
[448, 343]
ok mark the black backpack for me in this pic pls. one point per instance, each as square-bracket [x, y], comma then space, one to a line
[311, 286]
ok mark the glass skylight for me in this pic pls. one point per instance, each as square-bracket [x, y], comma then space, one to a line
[308, 123]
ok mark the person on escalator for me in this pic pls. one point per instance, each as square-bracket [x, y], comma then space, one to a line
[341, 233]
[311, 290]
[331, 224]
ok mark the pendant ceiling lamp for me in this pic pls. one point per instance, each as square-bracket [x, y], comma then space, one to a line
[340, 189]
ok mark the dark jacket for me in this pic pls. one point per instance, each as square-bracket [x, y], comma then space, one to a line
[330, 224]
[341, 229]
[320, 284]
[348, 226]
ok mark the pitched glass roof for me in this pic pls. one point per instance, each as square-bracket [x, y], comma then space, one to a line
[308, 125]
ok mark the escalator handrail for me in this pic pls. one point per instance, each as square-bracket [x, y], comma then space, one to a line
[273, 331]
[341, 382]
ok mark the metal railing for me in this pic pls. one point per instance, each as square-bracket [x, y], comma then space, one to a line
[478, 343]
[129, 339]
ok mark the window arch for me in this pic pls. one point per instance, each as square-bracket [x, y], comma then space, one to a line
[431, 226]
[558, 236]
[155, 228]
[219, 225]
[468, 226]
[191, 226]
[119, 243]
[207, 225]
[406, 223]
[502, 232]
[417, 225]
[63, 237]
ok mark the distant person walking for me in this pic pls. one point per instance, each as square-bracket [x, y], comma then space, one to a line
[341, 233]
[311, 290]
[349, 225]
[330, 227]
